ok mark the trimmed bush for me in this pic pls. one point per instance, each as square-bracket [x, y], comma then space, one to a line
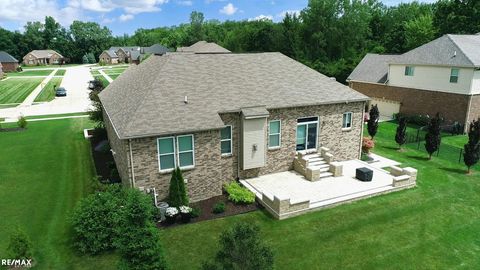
[196, 212]
[19, 246]
[177, 192]
[239, 194]
[219, 208]
[22, 122]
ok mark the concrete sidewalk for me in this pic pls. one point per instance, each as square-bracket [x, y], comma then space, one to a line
[29, 100]
[105, 76]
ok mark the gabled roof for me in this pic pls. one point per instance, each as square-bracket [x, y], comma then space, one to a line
[448, 50]
[148, 99]
[111, 53]
[157, 49]
[204, 47]
[44, 53]
[125, 48]
[373, 68]
[7, 58]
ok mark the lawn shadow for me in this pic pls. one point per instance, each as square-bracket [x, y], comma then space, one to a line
[389, 147]
[454, 170]
[419, 158]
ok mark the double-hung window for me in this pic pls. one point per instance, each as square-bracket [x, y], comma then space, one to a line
[347, 120]
[226, 140]
[409, 70]
[274, 134]
[454, 75]
[176, 152]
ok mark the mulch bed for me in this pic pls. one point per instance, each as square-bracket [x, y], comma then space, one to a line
[206, 208]
[101, 159]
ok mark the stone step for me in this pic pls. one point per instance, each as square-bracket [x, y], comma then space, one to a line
[326, 174]
[310, 156]
[314, 159]
[318, 166]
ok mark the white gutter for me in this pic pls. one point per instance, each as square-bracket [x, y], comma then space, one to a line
[132, 182]
[362, 128]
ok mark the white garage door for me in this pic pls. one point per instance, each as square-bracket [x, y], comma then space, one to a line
[386, 107]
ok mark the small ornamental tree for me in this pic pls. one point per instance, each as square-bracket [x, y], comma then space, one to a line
[177, 193]
[401, 135]
[85, 59]
[95, 113]
[372, 124]
[242, 248]
[138, 239]
[433, 137]
[19, 246]
[91, 58]
[471, 154]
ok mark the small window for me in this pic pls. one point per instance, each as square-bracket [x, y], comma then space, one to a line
[166, 153]
[185, 151]
[274, 134]
[409, 70]
[347, 120]
[454, 75]
[226, 140]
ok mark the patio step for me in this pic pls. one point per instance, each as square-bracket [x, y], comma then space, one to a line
[325, 174]
[320, 166]
[350, 197]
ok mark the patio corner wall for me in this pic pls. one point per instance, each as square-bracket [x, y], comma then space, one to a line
[281, 207]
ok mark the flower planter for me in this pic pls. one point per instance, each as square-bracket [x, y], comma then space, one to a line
[186, 217]
[171, 215]
[185, 213]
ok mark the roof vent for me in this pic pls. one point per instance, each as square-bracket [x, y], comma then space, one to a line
[185, 100]
[455, 54]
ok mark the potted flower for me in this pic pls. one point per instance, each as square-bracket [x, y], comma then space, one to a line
[171, 215]
[367, 145]
[185, 213]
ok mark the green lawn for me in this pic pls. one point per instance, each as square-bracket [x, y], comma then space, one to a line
[16, 90]
[30, 73]
[114, 71]
[434, 226]
[101, 78]
[48, 92]
[44, 171]
[60, 72]
[114, 76]
[50, 66]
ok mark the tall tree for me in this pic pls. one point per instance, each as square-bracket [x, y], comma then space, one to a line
[89, 37]
[196, 27]
[372, 124]
[433, 137]
[471, 154]
[401, 135]
[457, 16]
[419, 31]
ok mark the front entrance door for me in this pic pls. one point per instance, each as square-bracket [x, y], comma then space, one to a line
[307, 133]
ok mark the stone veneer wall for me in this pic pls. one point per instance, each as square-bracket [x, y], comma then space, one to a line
[212, 169]
[120, 147]
[474, 108]
[452, 107]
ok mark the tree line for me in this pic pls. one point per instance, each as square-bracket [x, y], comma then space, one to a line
[330, 36]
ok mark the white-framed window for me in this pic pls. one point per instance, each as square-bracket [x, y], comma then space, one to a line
[226, 140]
[347, 120]
[176, 152]
[409, 70]
[166, 153]
[454, 75]
[186, 156]
[274, 134]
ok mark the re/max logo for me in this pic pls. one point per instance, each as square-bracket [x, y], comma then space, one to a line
[17, 262]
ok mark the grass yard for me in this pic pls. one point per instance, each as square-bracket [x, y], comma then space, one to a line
[50, 66]
[30, 73]
[114, 76]
[44, 171]
[60, 72]
[16, 90]
[114, 71]
[434, 226]
[48, 91]
[101, 78]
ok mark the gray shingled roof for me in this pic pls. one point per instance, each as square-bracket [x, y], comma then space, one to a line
[204, 47]
[373, 68]
[156, 49]
[44, 53]
[148, 99]
[7, 58]
[448, 50]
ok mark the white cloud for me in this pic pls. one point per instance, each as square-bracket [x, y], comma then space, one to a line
[108, 20]
[262, 18]
[282, 14]
[184, 3]
[229, 9]
[126, 17]
[128, 6]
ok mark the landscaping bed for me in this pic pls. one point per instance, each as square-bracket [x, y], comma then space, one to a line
[206, 210]
[102, 158]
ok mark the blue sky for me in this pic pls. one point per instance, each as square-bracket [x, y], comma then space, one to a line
[125, 16]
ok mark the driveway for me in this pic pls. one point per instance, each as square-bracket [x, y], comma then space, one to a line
[75, 81]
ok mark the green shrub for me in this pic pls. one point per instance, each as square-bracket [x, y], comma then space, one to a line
[177, 192]
[219, 208]
[196, 212]
[239, 194]
[19, 246]
[22, 122]
[95, 219]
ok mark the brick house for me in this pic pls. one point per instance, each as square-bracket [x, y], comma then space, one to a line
[440, 76]
[8, 62]
[224, 116]
[132, 54]
[43, 57]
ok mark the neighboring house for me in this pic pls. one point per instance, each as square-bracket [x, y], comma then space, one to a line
[42, 57]
[8, 62]
[203, 47]
[221, 117]
[440, 76]
[132, 54]
[1, 71]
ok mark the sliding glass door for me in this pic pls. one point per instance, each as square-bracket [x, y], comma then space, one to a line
[307, 133]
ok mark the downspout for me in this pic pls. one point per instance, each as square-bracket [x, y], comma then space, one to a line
[362, 128]
[239, 126]
[467, 119]
[132, 181]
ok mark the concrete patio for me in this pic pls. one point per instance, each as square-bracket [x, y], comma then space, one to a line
[288, 194]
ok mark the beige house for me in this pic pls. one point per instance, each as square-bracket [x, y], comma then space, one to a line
[440, 76]
[42, 57]
[223, 116]
[132, 54]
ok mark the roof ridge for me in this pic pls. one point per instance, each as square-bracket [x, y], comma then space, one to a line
[460, 49]
[147, 94]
